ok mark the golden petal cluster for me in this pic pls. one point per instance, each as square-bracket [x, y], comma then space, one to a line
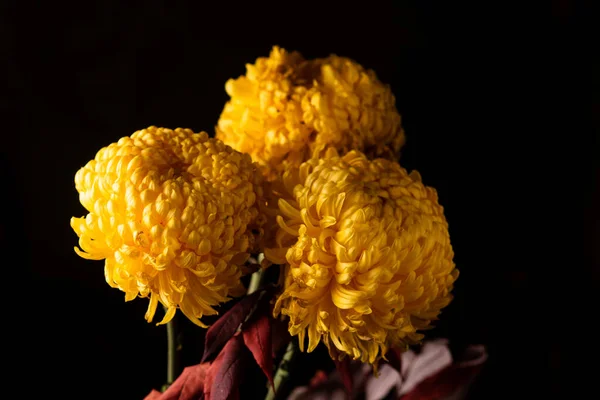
[175, 215]
[264, 115]
[350, 109]
[366, 253]
[285, 108]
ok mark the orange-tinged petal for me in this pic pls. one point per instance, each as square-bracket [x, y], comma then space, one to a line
[175, 215]
[367, 252]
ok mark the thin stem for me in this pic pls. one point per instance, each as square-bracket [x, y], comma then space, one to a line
[171, 353]
[283, 371]
[256, 281]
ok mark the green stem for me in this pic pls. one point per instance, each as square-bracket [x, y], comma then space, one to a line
[283, 371]
[256, 281]
[171, 353]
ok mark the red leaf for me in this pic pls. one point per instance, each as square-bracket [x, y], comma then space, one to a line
[211, 374]
[225, 327]
[224, 374]
[449, 380]
[318, 379]
[343, 368]
[438, 386]
[153, 395]
[188, 386]
[257, 336]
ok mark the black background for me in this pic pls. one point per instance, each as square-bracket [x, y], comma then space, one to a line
[496, 105]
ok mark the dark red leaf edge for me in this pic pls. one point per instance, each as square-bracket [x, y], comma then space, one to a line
[153, 395]
[257, 337]
[343, 368]
[232, 358]
[443, 384]
[188, 386]
[446, 382]
[226, 326]
[211, 374]
[193, 388]
[319, 378]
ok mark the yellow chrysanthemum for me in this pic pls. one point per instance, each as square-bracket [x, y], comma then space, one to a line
[285, 108]
[367, 255]
[350, 109]
[175, 214]
[264, 116]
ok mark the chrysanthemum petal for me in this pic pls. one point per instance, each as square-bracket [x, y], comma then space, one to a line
[175, 215]
[286, 110]
[88, 256]
[168, 315]
[368, 260]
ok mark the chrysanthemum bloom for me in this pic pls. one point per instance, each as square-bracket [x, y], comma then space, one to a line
[285, 108]
[175, 214]
[350, 109]
[367, 254]
[264, 115]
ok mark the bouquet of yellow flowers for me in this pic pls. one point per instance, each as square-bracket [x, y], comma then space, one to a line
[300, 190]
